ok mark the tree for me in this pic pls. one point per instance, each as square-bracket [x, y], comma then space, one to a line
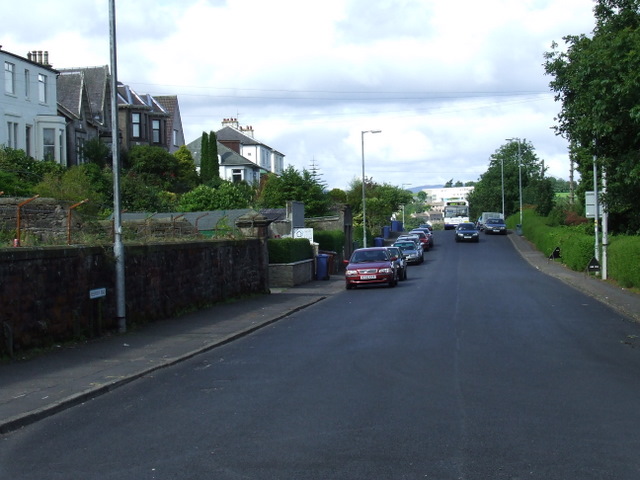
[382, 202]
[205, 171]
[596, 80]
[209, 164]
[74, 185]
[227, 196]
[96, 151]
[292, 185]
[187, 177]
[536, 189]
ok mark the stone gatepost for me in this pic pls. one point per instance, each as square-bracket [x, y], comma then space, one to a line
[254, 225]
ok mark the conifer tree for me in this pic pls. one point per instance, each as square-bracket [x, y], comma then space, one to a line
[205, 167]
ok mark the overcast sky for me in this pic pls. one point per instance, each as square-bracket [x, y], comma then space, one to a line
[445, 81]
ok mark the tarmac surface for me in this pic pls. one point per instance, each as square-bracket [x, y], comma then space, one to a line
[36, 388]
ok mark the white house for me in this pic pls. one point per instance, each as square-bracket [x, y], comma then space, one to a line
[28, 109]
[241, 140]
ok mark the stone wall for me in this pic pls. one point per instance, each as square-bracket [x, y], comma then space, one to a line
[44, 292]
[291, 274]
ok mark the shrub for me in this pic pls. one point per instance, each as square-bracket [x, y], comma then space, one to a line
[330, 240]
[289, 250]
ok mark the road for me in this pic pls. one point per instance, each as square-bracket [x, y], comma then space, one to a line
[476, 367]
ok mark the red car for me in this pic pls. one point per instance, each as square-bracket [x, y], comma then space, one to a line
[370, 266]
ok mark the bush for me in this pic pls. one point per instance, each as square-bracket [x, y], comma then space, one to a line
[622, 253]
[330, 240]
[289, 250]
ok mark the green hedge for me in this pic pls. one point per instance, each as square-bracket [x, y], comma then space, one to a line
[622, 265]
[289, 250]
[329, 240]
[577, 247]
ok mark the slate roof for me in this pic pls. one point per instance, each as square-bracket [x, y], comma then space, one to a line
[231, 134]
[69, 86]
[228, 157]
[96, 81]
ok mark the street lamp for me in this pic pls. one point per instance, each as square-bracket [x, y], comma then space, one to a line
[364, 205]
[519, 176]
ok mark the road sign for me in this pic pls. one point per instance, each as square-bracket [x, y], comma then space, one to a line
[590, 205]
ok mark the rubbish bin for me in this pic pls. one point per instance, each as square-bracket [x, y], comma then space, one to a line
[396, 226]
[386, 231]
[378, 242]
[322, 261]
[518, 229]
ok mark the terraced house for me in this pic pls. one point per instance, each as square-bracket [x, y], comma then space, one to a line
[28, 109]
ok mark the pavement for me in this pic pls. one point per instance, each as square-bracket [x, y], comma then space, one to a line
[38, 387]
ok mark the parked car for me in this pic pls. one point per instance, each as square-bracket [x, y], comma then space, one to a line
[427, 232]
[467, 232]
[423, 237]
[412, 238]
[412, 252]
[401, 262]
[370, 266]
[495, 225]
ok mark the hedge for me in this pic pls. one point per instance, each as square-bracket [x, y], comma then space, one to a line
[329, 240]
[577, 247]
[289, 250]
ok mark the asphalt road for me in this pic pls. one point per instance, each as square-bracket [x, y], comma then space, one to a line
[476, 367]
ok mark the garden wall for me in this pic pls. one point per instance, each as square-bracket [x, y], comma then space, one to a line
[44, 292]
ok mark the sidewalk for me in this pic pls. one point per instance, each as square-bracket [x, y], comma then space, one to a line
[37, 388]
[34, 389]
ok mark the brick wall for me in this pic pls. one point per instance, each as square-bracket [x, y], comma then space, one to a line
[44, 292]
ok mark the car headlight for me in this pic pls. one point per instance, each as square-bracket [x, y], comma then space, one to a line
[351, 273]
[385, 270]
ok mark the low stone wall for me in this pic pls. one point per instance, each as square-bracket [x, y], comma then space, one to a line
[291, 274]
[44, 292]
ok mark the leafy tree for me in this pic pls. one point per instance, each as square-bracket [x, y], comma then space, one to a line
[227, 196]
[153, 166]
[338, 196]
[382, 202]
[536, 189]
[205, 172]
[18, 167]
[187, 177]
[74, 185]
[596, 80]
[96, 151]
[292, 185]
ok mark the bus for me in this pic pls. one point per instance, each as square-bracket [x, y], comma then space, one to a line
[456, 211]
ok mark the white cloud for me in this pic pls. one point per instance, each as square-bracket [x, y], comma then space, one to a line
[446, 82]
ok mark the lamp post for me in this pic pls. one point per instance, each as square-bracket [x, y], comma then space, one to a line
[364, 201]
[519, 176]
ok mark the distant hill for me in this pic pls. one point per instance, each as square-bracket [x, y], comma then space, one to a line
[419, 189]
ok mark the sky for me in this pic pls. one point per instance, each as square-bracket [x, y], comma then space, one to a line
[446, 82]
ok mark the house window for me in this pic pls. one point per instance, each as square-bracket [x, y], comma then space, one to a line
[135, 125]
[175, 138]
[155, 127]
[42, 88]
[27, 84]
[12, 135]
[9, 78]
[236, 175]
[49, 143]
[80, 150]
